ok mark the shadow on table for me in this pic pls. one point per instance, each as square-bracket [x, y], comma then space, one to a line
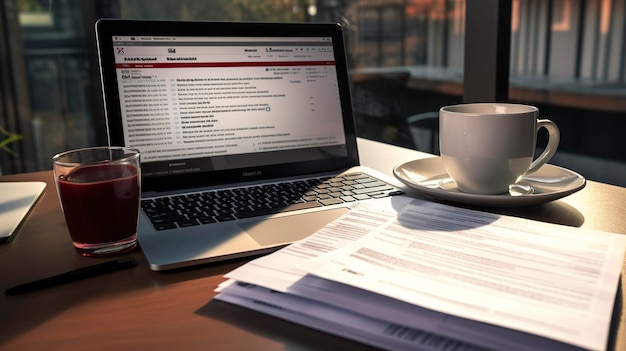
[556, 212]
[292, 336]
[54, 301]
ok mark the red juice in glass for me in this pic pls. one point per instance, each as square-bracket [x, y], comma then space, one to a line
[100, 203]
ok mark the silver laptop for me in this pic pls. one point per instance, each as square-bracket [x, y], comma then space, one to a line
[16, 200]
[246, 132]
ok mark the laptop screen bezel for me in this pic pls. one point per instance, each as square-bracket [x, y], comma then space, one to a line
[106, 29]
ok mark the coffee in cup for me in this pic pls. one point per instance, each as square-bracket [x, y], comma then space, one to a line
[486, 147]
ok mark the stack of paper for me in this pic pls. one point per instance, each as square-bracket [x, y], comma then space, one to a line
[402, 273]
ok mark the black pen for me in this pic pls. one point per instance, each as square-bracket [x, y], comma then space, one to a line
[72, 276]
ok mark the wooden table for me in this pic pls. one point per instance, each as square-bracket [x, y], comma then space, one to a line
[142, 309]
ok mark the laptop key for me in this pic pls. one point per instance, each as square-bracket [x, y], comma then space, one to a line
[168, 219]
[153, 213]
[224, 218]
[187, 223]
[365, 180]
[331, 201]
[354, 176]
[165, 226]
[348, 198]
[376, 189]
[206, 220]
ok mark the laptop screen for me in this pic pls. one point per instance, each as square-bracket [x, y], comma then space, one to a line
[194, 104]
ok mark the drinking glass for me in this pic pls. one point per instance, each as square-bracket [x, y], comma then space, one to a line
[99, 191]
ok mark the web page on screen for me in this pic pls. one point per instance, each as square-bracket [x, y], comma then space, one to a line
[185, 97]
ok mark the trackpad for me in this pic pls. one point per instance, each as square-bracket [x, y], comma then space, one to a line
[285, 230]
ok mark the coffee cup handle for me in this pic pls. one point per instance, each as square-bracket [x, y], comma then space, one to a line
[554, 137]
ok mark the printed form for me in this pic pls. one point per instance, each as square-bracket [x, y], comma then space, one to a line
[445, 270]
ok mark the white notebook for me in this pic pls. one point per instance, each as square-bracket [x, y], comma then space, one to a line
[16, 200]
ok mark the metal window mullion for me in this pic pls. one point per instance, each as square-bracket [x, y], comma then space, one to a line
[487, 50]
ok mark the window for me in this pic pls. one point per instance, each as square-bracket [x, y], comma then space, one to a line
[406, 60]
[568, 58]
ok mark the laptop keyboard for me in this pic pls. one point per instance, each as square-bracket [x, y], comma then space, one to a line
[226, 205]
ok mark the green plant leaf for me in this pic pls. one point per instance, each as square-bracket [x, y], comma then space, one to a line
[10, 139]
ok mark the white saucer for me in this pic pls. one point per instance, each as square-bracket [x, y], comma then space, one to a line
[428, 176]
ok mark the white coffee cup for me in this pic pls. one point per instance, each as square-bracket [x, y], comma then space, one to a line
[486, 147]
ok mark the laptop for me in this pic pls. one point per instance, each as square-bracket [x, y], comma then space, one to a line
[225, 114]
[16, 200]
